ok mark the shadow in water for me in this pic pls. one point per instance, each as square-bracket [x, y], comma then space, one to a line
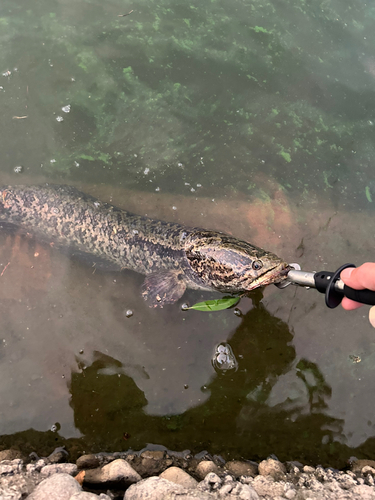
[245, 415]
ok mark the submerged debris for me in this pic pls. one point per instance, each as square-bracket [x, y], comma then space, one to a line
[224, 358]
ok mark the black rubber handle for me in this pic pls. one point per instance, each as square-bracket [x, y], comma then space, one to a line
[325, 283]
[362, 296]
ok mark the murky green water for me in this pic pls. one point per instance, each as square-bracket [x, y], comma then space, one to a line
[250, 117]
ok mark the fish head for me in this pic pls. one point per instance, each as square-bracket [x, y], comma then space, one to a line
[227, 264]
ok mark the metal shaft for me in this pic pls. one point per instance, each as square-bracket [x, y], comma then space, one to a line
[302, 278]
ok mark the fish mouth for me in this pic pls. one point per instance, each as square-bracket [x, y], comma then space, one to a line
[276, 274]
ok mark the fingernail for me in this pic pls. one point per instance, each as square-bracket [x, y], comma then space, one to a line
[371, 316]
[345, 273]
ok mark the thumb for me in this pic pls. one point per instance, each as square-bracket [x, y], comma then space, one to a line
[371, 316]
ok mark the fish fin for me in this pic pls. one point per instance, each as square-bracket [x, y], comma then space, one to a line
[163, 287]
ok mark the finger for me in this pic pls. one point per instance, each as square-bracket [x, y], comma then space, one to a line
[350, 305]
[360, 277]
[371, 316]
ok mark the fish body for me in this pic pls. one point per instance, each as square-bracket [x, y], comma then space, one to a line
[172, 256]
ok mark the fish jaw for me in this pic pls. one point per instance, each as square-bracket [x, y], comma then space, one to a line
[276, 274]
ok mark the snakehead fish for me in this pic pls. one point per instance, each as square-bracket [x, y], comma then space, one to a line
[173, 257]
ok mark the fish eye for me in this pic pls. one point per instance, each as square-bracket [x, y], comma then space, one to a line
[257, 264]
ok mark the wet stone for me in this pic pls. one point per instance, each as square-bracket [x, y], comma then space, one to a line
[149, 467]
[88, 462]
[118, 471]
[154, 455]
[152, 463]
[10, 455]
[293, 466]
[205, 467]
[358, 465]
[238, 468]
[273, 468]
[57, 458]
[178, 476]
[59, 455]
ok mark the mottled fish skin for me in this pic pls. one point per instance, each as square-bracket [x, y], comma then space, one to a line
[172, 256]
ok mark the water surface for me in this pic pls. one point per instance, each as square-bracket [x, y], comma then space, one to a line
[255, 118]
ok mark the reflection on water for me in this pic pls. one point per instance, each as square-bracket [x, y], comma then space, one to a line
[255, 119]
[237, 419]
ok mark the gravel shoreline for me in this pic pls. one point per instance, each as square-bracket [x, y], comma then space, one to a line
[168, 475]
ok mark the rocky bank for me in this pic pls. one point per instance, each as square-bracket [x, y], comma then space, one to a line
[154, 475]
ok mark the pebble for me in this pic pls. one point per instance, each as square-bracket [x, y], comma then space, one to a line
[205, 467]
[151, 463]
[358, 465]
[118, 471]
[56, 487]
[19, 481]
[57, 457]
[153, 488]
[10, 455]
[48, 470]
[211, 482]
[178, 476]
[36, 467]
[273, 468]
[307, 468]
[267, 487]
[10, 466]
[368, 470]
[238, 468]
[290, 494]
[154, 455]
[88, 462]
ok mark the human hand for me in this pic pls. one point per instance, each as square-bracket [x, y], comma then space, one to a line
[359, 278]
